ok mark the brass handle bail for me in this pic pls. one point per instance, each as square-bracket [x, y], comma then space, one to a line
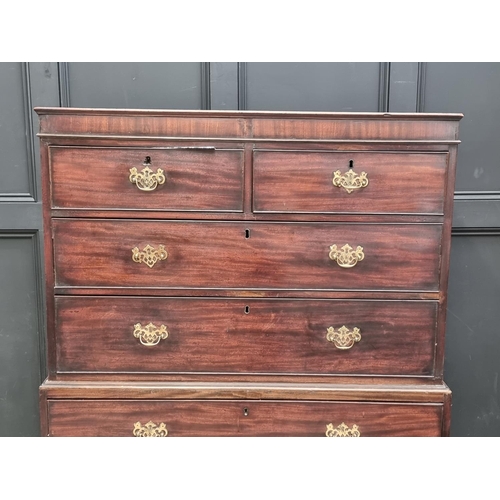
[150, 430]
[149, 256]
[150, 335]
[342, 431]
[350, 181]
[346, 256]
[146, 179]
[343, 338]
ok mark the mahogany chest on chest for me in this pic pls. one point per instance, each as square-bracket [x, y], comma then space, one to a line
[246, 273]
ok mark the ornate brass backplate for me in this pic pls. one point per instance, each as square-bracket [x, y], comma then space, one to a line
[149, 256]
[146, 179]
[346, 256]
[150, 334]
[343, 338]
[342, 431]
[150, 430]
[350, 180]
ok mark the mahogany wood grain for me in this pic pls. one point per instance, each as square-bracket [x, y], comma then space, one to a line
[445, 262]
[251, 124]
[43, 407]
[216, 377]
[393, 128]
[242, 418]
[347, 388]
[219, 254]
[218, 360]
[446, 415]
[150, 124]
[48, 257]
[122, 213]
[89, 140]
[249, 293]
[302, 182]
[196, 178]
[244, 336]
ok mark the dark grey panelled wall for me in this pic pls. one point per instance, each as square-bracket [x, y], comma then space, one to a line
[472, 362]
[21, 278]
[22, 86]
[134, 85]
[473, 344]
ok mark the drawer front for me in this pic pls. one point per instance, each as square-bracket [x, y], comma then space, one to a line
[116, 253]
[241, 418]
[245, 336]
[303, 182]
[189, 179]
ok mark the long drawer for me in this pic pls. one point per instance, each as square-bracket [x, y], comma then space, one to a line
[180, 178]
[324, 256]
[241, 418]
[172, 335]
[349, 182]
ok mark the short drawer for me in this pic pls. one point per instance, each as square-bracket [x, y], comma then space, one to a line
[180, 178]
[242, 336]
[239, 255]
[147, 418]
[349, 182]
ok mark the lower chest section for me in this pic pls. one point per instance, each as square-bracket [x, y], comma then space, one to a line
[150, 418]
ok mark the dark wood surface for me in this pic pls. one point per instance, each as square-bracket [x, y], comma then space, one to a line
[344, 388]
[244, 216]
[241, 418]
[445, 263]
[289, 181]
[254, 125]
[390, 128]
[275, 263]
[250, 293]
[48, 256]
[197, 178]
[245, 336]
[213, 255]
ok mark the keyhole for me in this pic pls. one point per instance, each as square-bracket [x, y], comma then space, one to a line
[247, 309]
[247, 233]
[351, 163]
[147, 160]
[245, 412]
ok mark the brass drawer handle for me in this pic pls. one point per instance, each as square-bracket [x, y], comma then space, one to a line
[150, 430]
[150, 334]
[342, 431]
[149, 256]
[343, 338]
[350, 180]
[346, 256]
[146, 179]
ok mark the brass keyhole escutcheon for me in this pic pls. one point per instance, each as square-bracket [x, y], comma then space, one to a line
[245, 412]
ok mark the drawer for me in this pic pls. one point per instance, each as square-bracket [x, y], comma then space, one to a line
[120, 253]
[189, 179]
[148, 418]
[303, 182]
[238, 336]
